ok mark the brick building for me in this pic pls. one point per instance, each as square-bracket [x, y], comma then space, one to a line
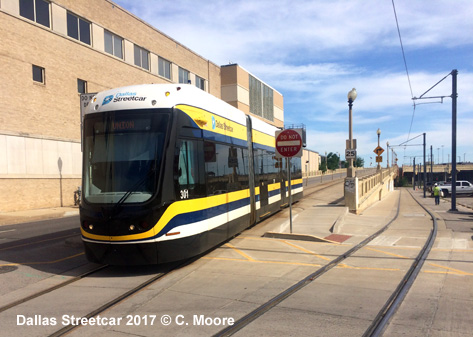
[52, 51]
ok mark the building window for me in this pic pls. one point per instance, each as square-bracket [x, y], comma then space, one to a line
[200, 82]
[35, 10]
[268, 103]
[183, 76]
[81, 86]
[113, 44]
[141, 57]
[38, 74]
[164, 68]
[261, 99]
[78, 28]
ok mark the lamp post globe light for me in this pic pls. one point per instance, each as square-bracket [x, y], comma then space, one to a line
[351, 98]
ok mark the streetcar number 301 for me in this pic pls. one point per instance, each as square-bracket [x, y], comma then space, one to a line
[185, 194]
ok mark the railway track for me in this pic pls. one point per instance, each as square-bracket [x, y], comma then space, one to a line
[95, 312]
[129, 281]
[52, 296]
[387, 311]
[50, 289]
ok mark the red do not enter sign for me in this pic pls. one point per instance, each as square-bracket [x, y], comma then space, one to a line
[289, 143]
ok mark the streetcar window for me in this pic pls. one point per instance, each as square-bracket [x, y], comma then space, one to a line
[186, 165]
[190, 174]
[226, 168]
[122, 155]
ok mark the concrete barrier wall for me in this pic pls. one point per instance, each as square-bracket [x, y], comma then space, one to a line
[361, 193]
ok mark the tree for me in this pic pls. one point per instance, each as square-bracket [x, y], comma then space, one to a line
[359, 162]
[333, 161]
[323, 166]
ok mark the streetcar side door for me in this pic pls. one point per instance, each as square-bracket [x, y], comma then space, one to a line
[261, 177]
[190, 180]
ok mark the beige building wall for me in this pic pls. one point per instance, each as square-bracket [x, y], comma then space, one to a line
[236, 91]
[40, 158]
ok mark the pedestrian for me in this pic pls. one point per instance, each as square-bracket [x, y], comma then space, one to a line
[437, 194]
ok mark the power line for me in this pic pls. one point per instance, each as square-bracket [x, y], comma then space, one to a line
[405, 65]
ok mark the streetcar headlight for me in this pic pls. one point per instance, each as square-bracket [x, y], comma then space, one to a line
[132, 227]
[91, 226]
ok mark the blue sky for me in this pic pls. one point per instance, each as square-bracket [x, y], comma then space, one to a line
[314, 52]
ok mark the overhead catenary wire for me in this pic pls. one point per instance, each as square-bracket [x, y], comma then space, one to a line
[407, 70]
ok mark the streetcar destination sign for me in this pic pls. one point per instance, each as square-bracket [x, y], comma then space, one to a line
[289, 143]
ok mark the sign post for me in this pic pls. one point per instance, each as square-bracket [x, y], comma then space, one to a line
[288, 145]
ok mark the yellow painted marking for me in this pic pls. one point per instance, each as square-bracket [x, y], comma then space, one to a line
[222, 258]
[458, 272]
[376, 268]
[341, 265]
[249, 237]
[387, 253]
[240, 252]
[307, 251]
[258, 261]
[441, 272]
[296, 263]
[45, 262]
[452, 269]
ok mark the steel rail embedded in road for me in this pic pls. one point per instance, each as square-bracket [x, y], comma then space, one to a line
[389, 309]
[50, 289]
[122, 297]
[247, 319]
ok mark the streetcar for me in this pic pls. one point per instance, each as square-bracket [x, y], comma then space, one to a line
[170, 171]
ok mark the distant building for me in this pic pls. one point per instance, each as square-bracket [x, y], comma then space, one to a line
[246, 92]
[52, 51]
[310, 163]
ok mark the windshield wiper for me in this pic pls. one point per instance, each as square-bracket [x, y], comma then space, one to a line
[130, 191]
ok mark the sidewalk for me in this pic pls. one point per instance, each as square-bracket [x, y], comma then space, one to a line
[323, 217]
[11, 218]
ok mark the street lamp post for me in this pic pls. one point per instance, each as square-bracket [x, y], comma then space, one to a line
[379, 134]
[326, 163]
[351, 146]
[387, 154]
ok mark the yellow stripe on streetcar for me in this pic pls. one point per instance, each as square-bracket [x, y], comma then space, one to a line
[178, 207]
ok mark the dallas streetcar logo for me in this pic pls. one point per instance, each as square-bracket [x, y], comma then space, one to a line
[123, 97]
[220, 125]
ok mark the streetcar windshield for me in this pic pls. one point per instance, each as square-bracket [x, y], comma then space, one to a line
[122, 155]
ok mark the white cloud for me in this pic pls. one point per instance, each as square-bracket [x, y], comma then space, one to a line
[314, 52]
